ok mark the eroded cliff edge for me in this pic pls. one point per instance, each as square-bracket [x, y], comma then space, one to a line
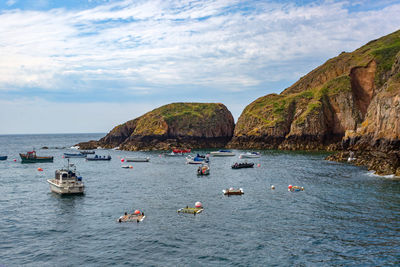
[192, 125]
[349, 103]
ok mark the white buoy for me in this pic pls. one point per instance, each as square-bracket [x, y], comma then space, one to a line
[198, 204]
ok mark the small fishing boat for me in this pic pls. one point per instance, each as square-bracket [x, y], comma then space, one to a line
[250, 155]
[222, 153]
[74, 155]
[242, 165]
[137, 216]
[196, 160]
[197, 209]
[232, 191]
[67, 181]
[295, 188]
[127, 166]
[204, 169]
[3, 157]
[86, 152]
[181, 151]
[172, 154]
[133, 159]
[97, 157]
[31, 157]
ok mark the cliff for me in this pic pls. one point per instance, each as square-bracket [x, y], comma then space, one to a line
[376, 143]
[346, 94]
[193, 125]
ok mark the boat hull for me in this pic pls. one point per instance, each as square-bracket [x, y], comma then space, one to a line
[65, 189]
[98, 159]
[3, 157]
[222, 154]
[137, 159]
[36, 160]
[66, 155]
[249, 156]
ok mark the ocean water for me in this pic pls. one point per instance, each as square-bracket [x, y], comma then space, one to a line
[345, 216]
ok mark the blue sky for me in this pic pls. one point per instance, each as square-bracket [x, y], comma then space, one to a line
[87, 66]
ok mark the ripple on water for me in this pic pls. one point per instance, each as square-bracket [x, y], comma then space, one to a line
[345, 216]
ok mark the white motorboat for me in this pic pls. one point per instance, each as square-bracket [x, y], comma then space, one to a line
[250, 155]
[137, 159]
[196, 160]
[67, 181]
[222, 153]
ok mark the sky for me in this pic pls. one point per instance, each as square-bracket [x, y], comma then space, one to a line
[86, 66]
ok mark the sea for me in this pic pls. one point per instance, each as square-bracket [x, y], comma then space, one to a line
[346, 216]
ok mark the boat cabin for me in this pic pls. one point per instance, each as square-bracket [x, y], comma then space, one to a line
[66, 175]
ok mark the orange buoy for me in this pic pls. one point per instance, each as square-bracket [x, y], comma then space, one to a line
[40, 169]
[130, 167]
[137, 212]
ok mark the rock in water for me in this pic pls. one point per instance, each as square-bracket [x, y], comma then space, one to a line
[192, 125]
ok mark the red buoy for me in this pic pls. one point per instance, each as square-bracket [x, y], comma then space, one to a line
[137, 212]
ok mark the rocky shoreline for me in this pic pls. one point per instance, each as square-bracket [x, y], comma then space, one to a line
[349, 103]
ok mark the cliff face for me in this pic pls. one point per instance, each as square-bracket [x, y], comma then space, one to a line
[194, 125]
[376, 143]
[355, 92]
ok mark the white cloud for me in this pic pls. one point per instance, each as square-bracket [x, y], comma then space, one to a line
[159, 42]
[174, 48]
[11, 2]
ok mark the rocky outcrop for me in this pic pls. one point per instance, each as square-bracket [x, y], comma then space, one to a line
[352, 102]
[193, 125]
[317, 111]
[377, 141]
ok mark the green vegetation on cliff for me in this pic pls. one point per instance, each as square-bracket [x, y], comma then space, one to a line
[343, 86]
[176, 124]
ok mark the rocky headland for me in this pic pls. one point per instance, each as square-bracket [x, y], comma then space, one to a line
[191, 125]
[350, 103]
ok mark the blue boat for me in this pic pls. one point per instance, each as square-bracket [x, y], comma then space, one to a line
[74, 155]
[3, 157]
[96, 157]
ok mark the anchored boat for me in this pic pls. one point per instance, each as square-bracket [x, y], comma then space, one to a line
[67, 181]
[96, 157]
[31, 157]
[232, 191]
[204, 169]
[133, 159]
[3, 157]
[74, 155]
[197, 209]
[87, 152]
[250, 155]
[196, 160]
[222, 153]
[295, 188]
[242, 165]
[137, 216]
